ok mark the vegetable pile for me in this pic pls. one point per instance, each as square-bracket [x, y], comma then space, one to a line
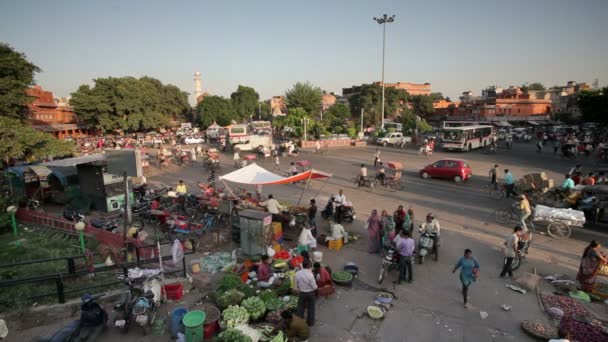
[255, 307]
[234, 315]
[274, 317]
[273, 304]
[233, 335]
[539, 330]
[569, 306]
[228, 282]
[582, 331]
[283, 255]
[250, 332]
[230, 297]
[267, 294]
[284, 287]
[341, 277]
[291, 302]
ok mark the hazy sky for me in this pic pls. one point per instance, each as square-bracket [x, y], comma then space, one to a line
[269, 45]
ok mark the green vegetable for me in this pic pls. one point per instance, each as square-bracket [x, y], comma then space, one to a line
[234, 315]
[292, 303]
[284, 288]
[255, 307]
[249, 291]
[342, 276]
[230, 297]
[279, 338]
[228, 282]
[374, 312]
[273, 304]
[233, 335]
[267, 294]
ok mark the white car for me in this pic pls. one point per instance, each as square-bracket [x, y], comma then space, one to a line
[193, 140]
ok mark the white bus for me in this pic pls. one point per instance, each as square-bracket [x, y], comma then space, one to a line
[466, 138]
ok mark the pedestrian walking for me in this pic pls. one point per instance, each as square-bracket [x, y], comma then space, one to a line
[405, 247]
[510, 251]
[373, 230]
[469, 271]
[377, 157]
[276, 162]
[493, 175]
[509, 184]
[236, 158]
[306, 283]
[539, 146]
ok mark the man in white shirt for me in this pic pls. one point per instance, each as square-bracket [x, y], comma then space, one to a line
[339, 202]
[362, 174]
[272, 205]
[307, 285]
[337, 231]
[317, 146]
[510, 251]
[306, 238]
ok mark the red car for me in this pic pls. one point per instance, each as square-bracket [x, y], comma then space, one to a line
[455, 169]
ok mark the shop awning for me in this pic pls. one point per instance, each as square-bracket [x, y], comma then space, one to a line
[253, 174]
[533, 123]
[76, 161]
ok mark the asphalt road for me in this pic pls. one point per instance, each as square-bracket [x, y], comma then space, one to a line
[429, 309]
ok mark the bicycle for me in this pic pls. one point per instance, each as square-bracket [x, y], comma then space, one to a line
[510, 216]
[497, 191]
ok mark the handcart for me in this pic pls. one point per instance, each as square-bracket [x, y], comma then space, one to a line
[559, 221]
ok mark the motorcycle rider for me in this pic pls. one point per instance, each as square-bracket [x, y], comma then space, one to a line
[328, 212]
[431, 226]
[381, 174]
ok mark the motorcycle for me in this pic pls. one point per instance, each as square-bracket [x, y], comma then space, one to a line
[328, 212]
[348, 213]
[138, 306]
[425, 246]
[73, 215]
[109, 224]
[92, 323]
[369, 182]
[390, 260]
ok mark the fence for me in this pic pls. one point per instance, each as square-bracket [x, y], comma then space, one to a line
[72, 273]
[100, 235]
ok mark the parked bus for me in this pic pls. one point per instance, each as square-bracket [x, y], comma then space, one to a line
[466, 138]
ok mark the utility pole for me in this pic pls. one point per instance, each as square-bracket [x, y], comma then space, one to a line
[361, 119]
[383, 20]
[127, 206]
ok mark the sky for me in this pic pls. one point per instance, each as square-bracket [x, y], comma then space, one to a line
[269, 45]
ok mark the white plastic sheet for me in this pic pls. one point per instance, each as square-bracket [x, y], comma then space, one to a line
[543, 213]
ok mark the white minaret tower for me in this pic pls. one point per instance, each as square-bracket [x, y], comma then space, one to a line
[198, 86]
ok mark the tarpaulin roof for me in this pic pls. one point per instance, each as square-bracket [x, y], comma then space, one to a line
[254, 174]
[76, 161]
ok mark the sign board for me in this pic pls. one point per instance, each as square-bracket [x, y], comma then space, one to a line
[126, 160]
[186, 125]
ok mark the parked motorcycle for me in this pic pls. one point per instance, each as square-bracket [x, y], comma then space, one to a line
[390, 260]
[109, 224]
[92, 323]
[348, 213]
[425, 246]
[73, 215]
[329, 209]
[138, 306]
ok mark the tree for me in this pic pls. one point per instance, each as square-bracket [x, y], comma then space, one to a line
[16, 75]
[129, 103]
[566, 118]
[305, 96]
[411, 121]
[335, 119]
[265, 111]
[214, 109]
[447, 98]
[422, 105]
[370, 99]
[245, 102]
[436, 96]
[19, 141]
[593, 104]
[532, 86]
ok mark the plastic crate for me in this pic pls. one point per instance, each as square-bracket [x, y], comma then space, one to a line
[174, 291]
[335, 244]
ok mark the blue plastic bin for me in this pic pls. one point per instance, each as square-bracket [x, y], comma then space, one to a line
[177, 325]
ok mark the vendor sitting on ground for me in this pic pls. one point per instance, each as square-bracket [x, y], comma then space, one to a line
[294, 326]
[264, 273]
[321, 274]
[337, 231]
[306, 238]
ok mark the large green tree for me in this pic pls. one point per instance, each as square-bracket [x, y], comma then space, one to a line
[245, 102]
[411, 121]
[214, 109]
[370, 99]
[532, 86]
[16, 75]
[265, 111]
[594, 105]
[306, 96]
[422, 105]
[19, 141]
[130, 103]
[436, 96]
[336, 118]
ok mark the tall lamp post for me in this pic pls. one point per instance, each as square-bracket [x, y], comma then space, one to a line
[79, 226]
[383, 20]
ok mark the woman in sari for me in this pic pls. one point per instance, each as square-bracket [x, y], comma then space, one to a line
[373, 229]
[388, 228]
[399, 217]
[590, 264]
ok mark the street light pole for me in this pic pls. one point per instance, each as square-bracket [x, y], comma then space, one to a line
[383, 20]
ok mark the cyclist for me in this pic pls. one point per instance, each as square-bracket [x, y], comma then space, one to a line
[524, 211]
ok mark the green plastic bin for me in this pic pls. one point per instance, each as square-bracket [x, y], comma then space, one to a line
[193, 321]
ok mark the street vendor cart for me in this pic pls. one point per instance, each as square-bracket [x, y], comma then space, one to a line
[559, 221]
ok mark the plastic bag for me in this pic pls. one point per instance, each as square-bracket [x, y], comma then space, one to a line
[177, 251]
[270, 251]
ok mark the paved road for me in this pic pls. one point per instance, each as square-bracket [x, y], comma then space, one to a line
[430, 309]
